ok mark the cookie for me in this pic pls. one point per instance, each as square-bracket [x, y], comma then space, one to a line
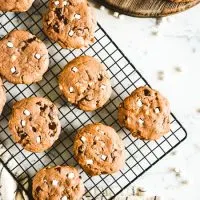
[71, 23]
[15, 5]
[58, 183]
[2, 96]
[146, 113]
[24, 58]
[34, 123]
[85, 83]
[99, 150]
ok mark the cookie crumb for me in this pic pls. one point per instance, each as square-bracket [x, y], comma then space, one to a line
[75, 69]
[37, 56]
[71, 89]
[70, 175]
[157, 110]
[83, 139]
[139, 103]
[23, 123]
[71, 33]
[13, 70]
[26, 112]
[140, 191]
[77, 16]
[160, 75]
[56, 3]
[178, 69]
[89, 162]
[155, 31]
[55, 182]
[103, 157]
[38, 139]
[10, 44]
[116, 14]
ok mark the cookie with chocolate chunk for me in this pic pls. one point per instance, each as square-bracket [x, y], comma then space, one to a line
[15, 5]
[85, 83]
[34, 123]
[2, 96]
[60, 182]
[99, 149]
[146, 113]
[71, 23]
[24, 58]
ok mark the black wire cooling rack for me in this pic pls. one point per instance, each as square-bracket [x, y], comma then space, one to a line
[140, 155]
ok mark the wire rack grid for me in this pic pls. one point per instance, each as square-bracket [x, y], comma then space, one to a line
[140, 155]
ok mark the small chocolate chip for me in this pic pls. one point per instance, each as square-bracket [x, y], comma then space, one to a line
[59, 14]
[23, 136]
[52, 125]
[100, 77]
[34, 129]
[147, 92]
[58, 169]
[43, 108]
[65, 21]
[56, 28]
[38, 189]
[31, 40]
[81, 149]
[50, 115]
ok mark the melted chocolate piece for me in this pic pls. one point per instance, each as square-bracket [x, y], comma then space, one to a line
[147, 92]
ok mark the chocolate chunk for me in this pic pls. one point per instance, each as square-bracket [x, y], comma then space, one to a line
[147, 92]
[52, 126]
[56, 28]
[38, 189]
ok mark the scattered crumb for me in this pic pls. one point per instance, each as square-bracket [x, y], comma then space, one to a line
[116, 14]
[160, 75]
[198, 110]
[155, 30]
[178, 69]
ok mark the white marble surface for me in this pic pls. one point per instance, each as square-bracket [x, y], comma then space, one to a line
[176, 45]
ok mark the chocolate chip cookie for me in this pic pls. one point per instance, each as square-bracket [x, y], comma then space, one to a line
[71, 23]
[85, 83]
[99, 150]
[58, 183]
[145, 113]
[24, 58]
[34, 123]
[2, 96]
[15, 5]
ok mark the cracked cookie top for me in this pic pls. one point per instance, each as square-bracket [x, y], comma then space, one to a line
[15, 5]
[71, 23]
[85, 83]
[146, 113]
[34, 123]
[60, 182]
[99, 149]
[24, 58]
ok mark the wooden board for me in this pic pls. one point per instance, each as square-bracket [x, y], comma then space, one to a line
[147, 8]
